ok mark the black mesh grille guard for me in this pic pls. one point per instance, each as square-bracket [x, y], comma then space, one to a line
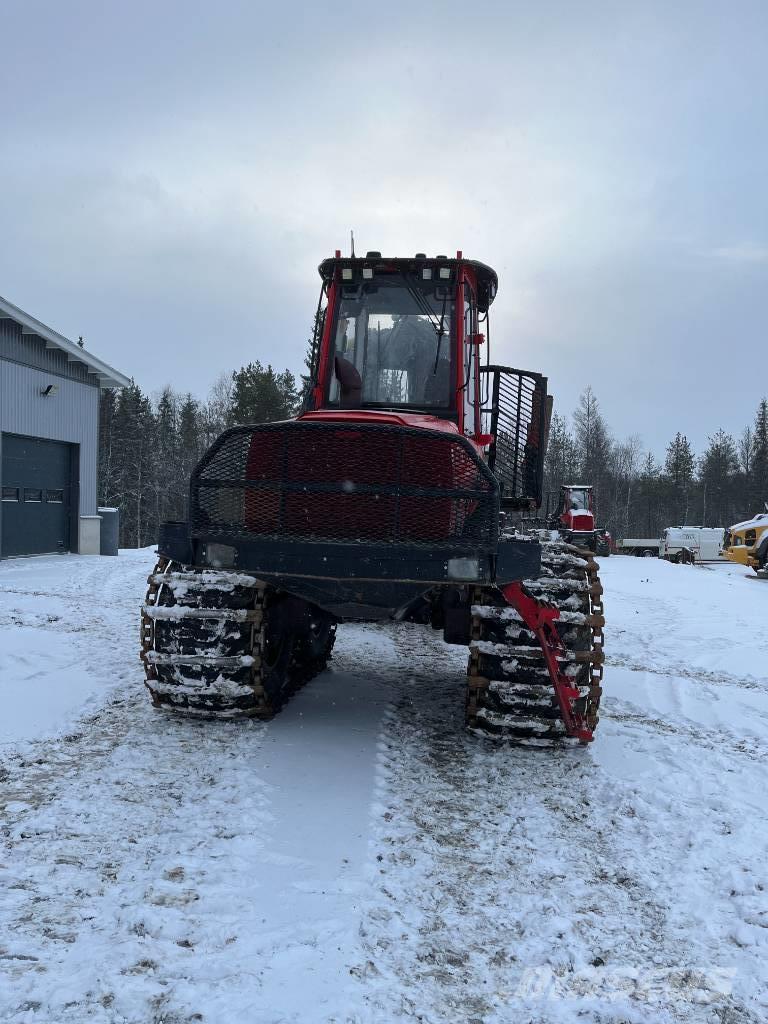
[515, 413]
[357, 483]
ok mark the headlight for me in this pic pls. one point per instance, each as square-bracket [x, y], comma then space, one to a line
[220, 556]
[463, 568]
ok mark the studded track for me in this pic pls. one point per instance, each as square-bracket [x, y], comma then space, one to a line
[509, 690]
[225, 645]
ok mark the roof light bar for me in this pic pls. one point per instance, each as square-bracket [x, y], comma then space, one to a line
[346, 273]
[426, 274]
[368, 273]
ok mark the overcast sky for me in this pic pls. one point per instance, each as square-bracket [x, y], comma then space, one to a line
[172, 173]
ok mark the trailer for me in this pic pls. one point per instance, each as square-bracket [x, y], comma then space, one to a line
[647, 546]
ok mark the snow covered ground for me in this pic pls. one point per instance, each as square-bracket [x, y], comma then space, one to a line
[360, 859]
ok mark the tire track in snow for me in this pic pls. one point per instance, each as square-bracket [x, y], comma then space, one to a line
[134, 865]
[717, 739]
[490, 861]
[685, 672]
[108, 876]
[156, 870]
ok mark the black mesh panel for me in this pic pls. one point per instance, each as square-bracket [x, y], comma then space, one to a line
[374, 483]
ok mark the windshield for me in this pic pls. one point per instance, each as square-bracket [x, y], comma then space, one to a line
[578, 499]
[398, 336]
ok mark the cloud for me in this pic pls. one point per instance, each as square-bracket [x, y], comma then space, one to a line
[170, 178]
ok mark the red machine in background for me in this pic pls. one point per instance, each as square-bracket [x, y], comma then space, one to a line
[574, 519]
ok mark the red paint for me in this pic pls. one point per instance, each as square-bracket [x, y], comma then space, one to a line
[402, 419]
[460, 369]
[420, 420]
[540, 619]
[586, 523]
[471, 430]
[324, 363]
[466, 351]
[362, 463]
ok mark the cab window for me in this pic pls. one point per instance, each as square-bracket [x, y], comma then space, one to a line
[398, 342]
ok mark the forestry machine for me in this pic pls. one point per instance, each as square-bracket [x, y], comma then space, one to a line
[394, 494]
[574, 518]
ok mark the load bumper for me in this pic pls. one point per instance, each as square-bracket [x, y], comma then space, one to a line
[353, 580]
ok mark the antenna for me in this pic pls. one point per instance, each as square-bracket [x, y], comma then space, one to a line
[352, 243]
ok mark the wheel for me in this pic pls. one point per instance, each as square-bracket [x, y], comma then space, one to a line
[282, 621]
[319, 635]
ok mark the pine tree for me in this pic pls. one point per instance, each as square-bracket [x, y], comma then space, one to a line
[259, 395]
[560, 461]
[758, 477]
[191, 447]
[312, 355]
[718, 467]
[133, 440]
[650, 514]
[679, 467]
[108, 450]
[165, 456]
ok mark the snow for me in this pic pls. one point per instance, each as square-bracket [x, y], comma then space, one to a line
[361, 859]
[54, 611]
[755, 521]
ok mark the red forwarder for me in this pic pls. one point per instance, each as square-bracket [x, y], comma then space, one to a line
[574, 518]
[392, 495]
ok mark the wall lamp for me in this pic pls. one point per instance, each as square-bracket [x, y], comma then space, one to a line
[50, 390]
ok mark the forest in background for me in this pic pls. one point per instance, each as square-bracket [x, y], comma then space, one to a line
[638, 494]
[149, 446]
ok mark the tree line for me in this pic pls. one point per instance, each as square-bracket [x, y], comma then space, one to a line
[150, 445]
[637, 495]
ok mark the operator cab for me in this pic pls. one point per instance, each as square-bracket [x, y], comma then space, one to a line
[402, 334]
[576, 498]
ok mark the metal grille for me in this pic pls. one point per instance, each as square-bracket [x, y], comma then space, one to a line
[517, 419]
[346, 482]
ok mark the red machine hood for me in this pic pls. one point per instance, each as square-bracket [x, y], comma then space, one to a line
[401, 419]
[579, 519]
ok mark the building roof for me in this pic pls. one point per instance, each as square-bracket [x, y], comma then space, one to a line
[107, 376]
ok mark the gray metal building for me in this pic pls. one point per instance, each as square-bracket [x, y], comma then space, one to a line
[49, 435]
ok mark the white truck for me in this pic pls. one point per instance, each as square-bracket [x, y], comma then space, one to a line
[703, 543]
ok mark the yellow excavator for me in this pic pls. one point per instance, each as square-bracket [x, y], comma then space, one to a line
[747, 543]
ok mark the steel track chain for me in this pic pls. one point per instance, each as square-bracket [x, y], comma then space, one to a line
[530, 715]
[262, 705]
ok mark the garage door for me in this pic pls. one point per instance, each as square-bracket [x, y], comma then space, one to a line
[36, 495]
